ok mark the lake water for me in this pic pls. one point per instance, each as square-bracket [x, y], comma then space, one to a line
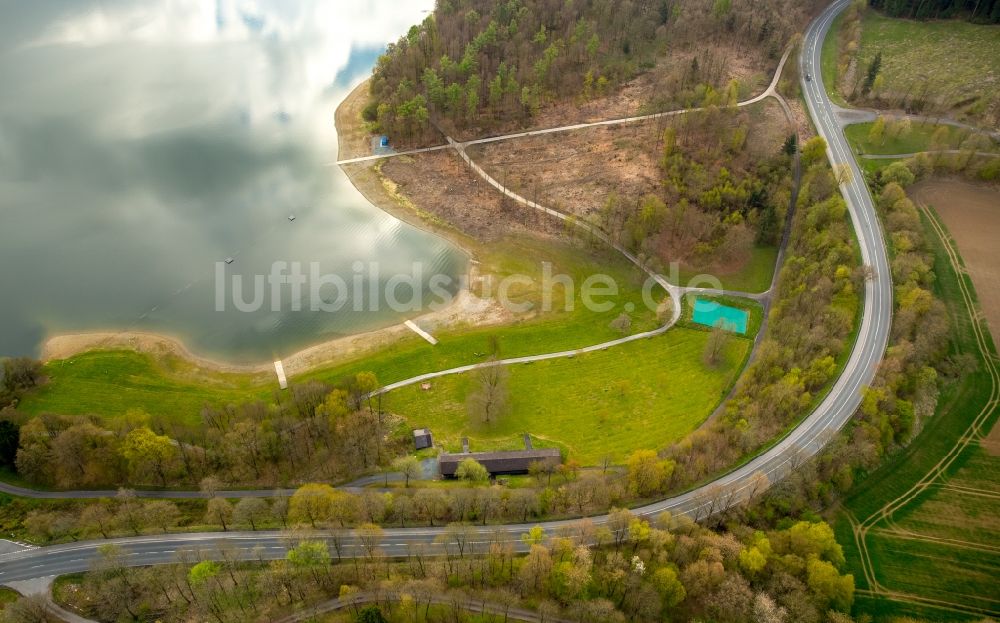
[144, 141]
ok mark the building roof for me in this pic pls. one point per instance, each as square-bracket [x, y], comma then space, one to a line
[513, 462]
[422, 438]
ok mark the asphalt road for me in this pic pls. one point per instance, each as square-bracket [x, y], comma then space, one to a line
[805, 440]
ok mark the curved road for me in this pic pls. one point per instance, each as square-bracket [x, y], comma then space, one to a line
[805, 440]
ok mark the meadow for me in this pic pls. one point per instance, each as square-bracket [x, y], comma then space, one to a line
[644, 394]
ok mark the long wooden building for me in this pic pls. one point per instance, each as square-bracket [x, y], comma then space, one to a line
[499, 463]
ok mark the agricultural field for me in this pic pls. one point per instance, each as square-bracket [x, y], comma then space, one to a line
[644, 394]
[921, 533]
[971, 213]
[952, 62]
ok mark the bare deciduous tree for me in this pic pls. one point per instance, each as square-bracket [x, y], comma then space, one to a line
[489, 401]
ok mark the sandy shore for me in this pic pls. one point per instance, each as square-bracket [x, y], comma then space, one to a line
[466, 310]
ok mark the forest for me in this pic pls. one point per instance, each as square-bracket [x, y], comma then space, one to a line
[982, 11]
[478, 63]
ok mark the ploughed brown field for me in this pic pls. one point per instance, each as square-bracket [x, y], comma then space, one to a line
[972, 214]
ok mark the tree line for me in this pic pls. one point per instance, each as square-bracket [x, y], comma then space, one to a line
[981, 11]
[627, 569]
[811, 319]
[557, 490]
[317, 432]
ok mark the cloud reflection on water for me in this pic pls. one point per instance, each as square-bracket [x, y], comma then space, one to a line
[142, 141]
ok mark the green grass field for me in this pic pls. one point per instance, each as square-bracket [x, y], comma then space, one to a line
[109, 383]
[546, 332]
[918, 139]
[934, 551]
[644, 394]
[953, 59]
[7, 596]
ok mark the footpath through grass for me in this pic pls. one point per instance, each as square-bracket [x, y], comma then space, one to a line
[542, 332]
[937, 546]
[644, 394]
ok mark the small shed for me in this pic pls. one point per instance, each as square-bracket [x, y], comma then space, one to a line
[422, 438]
[383, 141]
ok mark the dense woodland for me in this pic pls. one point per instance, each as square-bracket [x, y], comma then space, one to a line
[984, 11]
[479, 63]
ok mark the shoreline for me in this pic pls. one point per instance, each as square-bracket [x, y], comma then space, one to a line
[465, 309]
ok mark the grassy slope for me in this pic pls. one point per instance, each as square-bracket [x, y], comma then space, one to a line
[7, 595]
[754, 277]
[641, 395]
[547, 332]
[828, 61]
[110, 383]
[953, 56]
[927, 569]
